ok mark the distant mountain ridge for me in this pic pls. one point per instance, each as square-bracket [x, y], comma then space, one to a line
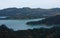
[27, 12]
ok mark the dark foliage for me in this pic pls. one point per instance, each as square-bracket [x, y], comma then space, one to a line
[54, 32]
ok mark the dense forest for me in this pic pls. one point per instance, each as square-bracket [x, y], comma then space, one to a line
[53, 32]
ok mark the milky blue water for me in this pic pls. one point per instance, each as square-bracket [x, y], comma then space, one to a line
[20, 24]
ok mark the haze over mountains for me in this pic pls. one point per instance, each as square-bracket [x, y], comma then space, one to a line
[27, 13]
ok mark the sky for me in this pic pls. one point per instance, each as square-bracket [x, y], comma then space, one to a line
[46, 4]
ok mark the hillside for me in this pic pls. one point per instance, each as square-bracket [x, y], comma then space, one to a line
[27, 13]
[50, 20]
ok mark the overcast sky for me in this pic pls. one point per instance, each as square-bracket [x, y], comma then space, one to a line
[30, 3]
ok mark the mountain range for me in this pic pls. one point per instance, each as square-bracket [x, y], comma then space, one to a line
[28, 13]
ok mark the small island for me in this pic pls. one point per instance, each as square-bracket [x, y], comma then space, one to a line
[53, 20]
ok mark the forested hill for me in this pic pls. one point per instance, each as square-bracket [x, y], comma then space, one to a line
[27, 12]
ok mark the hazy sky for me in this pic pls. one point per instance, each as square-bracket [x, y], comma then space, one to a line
[29, 3]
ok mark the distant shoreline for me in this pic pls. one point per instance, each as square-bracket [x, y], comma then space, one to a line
[20, 19]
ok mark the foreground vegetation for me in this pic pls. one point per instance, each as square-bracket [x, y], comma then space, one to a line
[53, 32]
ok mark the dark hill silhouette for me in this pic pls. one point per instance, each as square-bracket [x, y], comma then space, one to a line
[53, 32]
[3, 27]
[49, 20]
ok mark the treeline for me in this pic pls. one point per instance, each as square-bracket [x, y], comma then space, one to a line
[53, 32]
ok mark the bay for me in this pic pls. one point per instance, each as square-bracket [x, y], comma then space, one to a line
[21, 24]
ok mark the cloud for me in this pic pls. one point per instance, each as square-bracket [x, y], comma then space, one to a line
[30, 3]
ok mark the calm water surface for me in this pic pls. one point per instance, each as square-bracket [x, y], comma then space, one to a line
[20, 24]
